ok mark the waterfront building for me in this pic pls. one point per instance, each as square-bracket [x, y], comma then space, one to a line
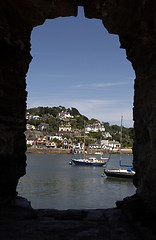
[30, 141]
[66, 143]
[54, 137]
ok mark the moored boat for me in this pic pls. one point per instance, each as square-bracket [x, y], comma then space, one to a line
[124, 170]
[92, 161]
[120, 173]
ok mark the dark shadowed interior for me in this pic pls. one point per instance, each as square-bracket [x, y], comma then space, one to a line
[135, 24]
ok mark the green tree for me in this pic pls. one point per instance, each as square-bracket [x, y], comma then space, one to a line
[66, 136]
[57, 141]
[34, 122]
[92, 120]
[53, 123]
[89, 141]
[73, 111]
[97, 135]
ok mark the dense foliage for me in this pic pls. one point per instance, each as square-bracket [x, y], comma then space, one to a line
[49, 116]
[41, 111]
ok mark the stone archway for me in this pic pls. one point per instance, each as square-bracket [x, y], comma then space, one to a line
[134, 22]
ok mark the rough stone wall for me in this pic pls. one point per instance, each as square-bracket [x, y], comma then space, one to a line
[17, 19]
[134, 22]
[14, 63]
[12, 118]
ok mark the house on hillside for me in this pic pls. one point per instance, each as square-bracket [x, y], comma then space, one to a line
[54, 137]
[30, 141]
[112, 145]
[106, 144]
[36, 117]
[41, 141]
[65, 126]
[95, 127]
[30, 127]
[43, 127]
[51, 144]
[66, 143]
[106, 135]
[31, 116]
[78, 147]
[63, 115]
[94, 146]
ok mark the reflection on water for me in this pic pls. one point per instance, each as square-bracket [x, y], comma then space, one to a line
[52, 183]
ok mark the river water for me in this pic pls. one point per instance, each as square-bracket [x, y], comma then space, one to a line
[51, 182]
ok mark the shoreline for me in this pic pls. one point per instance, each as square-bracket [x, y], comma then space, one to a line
[69, 151]
[48, 151]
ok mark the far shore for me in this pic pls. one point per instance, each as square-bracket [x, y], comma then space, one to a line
[69, 151]
[48, 151]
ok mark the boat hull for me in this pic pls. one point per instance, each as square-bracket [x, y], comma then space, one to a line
[87, 163]
[118, 174]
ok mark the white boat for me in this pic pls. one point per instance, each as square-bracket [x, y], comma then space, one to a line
[91, 161]
[124, 170]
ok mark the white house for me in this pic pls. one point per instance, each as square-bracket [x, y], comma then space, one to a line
[30, 141]
[94, 146]
[66, 143]
[30, 116]
[36, 117]
[95, 127]
[112, 145]
[78, 146]
[106, 135]
[55, 136]
[64, 115]
[65, 126]
[30, 127]
[51, 145]
[106, 144]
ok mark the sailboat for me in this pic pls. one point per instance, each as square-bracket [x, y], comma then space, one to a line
[91, 161]
[124, 170]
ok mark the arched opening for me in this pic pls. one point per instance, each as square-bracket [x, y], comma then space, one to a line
[133, 22]
[80, 65]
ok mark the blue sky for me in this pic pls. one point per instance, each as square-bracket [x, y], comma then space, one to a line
[77, 63]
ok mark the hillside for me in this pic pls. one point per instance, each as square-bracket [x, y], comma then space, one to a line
[54, 115]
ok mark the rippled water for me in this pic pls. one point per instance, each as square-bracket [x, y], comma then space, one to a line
[51, 182]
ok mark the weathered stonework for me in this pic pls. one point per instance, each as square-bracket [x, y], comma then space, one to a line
[135, 24]
[17, 19]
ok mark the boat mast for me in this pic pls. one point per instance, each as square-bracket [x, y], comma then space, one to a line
[121, 138]
[101, 149]
[84, 142]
